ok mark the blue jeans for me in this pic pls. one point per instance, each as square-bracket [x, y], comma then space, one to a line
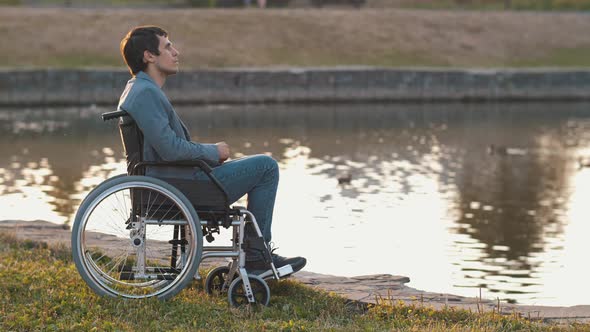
[258, 177]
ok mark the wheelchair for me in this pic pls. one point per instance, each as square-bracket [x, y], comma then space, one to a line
[136, 236]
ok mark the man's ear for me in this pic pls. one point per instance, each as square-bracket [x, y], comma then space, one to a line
[148, 56]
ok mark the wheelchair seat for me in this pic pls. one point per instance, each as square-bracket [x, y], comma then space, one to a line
[209, 198]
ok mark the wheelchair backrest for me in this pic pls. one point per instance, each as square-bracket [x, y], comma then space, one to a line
[132, 139]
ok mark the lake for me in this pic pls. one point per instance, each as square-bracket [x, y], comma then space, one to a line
[458, 197]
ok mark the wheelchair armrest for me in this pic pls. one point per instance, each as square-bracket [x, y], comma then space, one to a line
[113, 115]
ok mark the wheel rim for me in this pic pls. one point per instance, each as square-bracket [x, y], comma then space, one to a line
[131, 257]
[237, 294]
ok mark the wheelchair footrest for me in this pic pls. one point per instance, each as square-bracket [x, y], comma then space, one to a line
[285, 270]
[282, 271]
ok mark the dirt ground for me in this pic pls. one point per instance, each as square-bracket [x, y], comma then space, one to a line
[59, 37]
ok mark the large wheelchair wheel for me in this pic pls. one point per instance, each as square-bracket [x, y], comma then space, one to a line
[136, 237]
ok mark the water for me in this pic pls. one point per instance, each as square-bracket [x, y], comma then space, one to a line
[457, 197]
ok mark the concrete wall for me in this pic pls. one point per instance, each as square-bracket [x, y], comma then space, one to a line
[79, 87]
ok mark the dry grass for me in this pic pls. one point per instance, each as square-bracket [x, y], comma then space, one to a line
[223, 38]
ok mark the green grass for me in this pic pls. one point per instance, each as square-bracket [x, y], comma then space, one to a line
[558, 58]
[40, 289]
[562, 58]
[453, 4]
[389, 58]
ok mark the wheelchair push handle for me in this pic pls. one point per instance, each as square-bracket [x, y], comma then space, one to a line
[113, 115]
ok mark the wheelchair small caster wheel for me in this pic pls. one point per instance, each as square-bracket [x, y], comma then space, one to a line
[215, 280]
[237, 294]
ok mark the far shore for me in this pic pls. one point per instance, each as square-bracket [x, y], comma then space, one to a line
[362, 289]
[301, 55]
[225, 38]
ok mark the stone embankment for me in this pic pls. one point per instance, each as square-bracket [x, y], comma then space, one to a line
[363, 290]
[288, 85]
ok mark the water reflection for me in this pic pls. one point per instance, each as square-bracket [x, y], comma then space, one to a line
[458, 197]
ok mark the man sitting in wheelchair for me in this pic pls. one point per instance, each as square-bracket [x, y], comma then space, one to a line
[151, 58]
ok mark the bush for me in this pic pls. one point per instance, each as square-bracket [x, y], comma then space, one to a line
[551, 4]
[499, 4]
[232, 3]
[355, 3]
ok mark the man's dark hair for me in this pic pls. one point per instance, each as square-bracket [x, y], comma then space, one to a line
[136, 42]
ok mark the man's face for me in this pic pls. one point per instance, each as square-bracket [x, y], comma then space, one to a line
[167, 61]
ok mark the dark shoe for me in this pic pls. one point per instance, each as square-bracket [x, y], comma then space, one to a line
[258, 266]
[297, 263]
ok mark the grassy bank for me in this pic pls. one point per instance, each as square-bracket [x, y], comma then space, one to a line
[73, 38]
[545, 5]
[40, 289]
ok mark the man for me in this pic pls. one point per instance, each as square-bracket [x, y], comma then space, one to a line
[151, 58]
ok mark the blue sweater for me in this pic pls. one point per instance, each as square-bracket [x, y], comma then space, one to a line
[166, 138]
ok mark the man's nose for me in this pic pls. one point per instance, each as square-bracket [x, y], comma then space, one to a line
[175, 52]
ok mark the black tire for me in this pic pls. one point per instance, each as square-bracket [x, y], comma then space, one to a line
[216, 279]
[105, 214]
[237, 294]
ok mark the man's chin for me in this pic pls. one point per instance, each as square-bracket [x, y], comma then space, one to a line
[172, 71]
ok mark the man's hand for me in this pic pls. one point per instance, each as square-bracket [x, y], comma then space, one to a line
[223, 150]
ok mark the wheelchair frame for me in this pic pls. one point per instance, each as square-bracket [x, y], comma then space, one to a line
[140, 274]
